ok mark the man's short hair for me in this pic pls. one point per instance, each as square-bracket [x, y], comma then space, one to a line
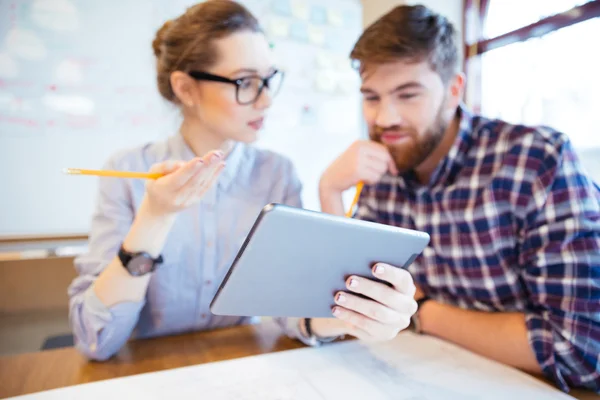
[412, 34]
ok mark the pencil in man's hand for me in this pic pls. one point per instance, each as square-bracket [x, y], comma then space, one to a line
[359, 187]
[114, 174]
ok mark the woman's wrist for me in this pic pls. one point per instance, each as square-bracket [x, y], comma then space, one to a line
[328, 327]
[149, 230]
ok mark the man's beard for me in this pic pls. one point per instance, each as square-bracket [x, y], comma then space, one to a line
[408, 156]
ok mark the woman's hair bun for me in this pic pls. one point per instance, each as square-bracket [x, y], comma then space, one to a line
[159, 39]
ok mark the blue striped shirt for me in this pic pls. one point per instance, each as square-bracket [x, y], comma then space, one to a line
[198, 252]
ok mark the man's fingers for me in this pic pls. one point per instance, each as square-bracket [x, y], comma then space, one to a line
[392, 166]
[369, 308]
[371, 177]
[400, 278]
[372, 171]
[383, 294]
[372, 328]
[359, 333]
[376, 151]
[355, 319]
[377, 168]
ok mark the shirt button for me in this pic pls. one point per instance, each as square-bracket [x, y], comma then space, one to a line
[208, 283]
[203, 316]
[210, 207]
[209, 244]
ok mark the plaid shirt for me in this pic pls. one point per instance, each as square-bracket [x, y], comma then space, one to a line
[515, 226]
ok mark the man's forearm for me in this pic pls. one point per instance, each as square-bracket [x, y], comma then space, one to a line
[331, 201]
[499, 336]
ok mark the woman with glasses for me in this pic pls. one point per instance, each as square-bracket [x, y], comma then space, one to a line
[158, 250]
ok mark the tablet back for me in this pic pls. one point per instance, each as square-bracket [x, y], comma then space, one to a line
[294, 260]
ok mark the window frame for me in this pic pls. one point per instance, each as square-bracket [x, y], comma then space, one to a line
[474, 16]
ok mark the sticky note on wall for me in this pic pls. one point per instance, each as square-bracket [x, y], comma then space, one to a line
[299, 31]
[324, 60]
[300, 9]
[325, 81]
[335, 18]
[318, 15]
[282, 7]
[279, 27]
[316, 35]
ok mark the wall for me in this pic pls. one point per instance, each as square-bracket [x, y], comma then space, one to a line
[35, 285]
[21, 287]
[68, 103]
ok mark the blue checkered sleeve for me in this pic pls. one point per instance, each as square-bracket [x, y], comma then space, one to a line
[560, 255]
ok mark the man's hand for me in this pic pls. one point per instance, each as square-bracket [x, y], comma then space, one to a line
[381, 315]
[364, 160]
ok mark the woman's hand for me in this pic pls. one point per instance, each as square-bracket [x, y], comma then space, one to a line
[184, 183]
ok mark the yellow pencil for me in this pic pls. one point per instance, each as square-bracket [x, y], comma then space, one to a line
[359, 187]
[114, 174]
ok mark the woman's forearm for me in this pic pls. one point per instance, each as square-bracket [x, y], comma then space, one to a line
[148, 233]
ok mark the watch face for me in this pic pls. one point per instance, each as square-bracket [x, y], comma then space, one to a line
[140, 265]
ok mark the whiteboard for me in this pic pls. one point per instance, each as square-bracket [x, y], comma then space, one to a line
[77, 83]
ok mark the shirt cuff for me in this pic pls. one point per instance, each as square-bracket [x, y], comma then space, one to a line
[291, 327]
[101, 315]
[94, 307]
[311, 340]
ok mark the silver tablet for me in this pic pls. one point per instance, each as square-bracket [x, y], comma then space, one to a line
[294, 260]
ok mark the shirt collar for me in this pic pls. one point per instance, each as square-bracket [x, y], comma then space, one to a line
[180, 150]
[450, 165]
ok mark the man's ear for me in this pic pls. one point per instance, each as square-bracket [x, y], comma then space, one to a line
[456, 88]
[183, 86]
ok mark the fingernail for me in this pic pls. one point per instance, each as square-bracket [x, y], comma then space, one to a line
[379, 269]
[353, 283]
[341, 298]
[337, 312]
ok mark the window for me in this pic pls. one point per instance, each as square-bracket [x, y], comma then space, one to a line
[535, 62]
[504, 16]
[552, 80]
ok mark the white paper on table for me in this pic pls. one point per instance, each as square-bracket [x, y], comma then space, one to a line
[411, 367]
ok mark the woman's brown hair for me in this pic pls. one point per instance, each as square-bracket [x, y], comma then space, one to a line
[186, 42]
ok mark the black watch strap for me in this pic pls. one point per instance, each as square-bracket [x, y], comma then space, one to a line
[312, 336]
[415, 321]
[144, 264]
[421, 301]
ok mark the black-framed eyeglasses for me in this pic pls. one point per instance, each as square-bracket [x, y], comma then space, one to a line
[248, 88]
